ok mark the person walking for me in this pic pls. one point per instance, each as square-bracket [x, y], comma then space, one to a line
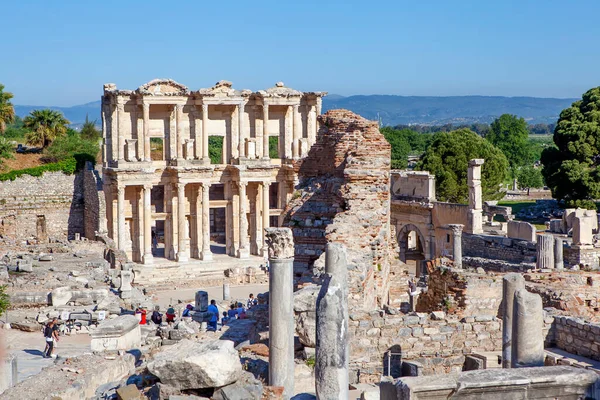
[214, 315]
[50, 335]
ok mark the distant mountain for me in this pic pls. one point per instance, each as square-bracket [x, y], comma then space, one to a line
[395, 110]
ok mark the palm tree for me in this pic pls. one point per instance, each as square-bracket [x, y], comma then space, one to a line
[7, 111]
[44, 126]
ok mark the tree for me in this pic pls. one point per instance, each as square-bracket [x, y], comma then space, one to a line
[529, 177]
[44, 126]
[7, 110]
[448, 158]
[89, 131]
[400, 147]
[510, 134]
[572, 168]
[6, 149]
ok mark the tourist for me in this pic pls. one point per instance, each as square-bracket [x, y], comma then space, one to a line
[187, 310]
[251, 301]
[156, 316]
[170, 315]
[225, 319]
[50, 335]
[213, 310]
[240, 309]
[232, 312]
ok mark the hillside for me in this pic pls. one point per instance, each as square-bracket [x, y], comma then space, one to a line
[394, 110]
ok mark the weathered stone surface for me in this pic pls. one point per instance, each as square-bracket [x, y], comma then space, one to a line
[510, 284]
[527, 330]
[129, 392]
[201, 301]
[545, 251]
[61, 296]
[247, 387]
[194, 365]
[121, 333]
[280, 242]
[521, 230]
[26, 326]
[305, 305]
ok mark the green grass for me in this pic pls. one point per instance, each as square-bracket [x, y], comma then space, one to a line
[516, 205]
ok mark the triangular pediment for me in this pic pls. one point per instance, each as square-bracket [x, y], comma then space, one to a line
[163, 87]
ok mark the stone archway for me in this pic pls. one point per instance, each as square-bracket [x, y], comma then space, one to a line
[412, 243]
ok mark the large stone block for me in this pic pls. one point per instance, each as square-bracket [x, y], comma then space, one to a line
[121, 333]
[193, 365]
[521, 230]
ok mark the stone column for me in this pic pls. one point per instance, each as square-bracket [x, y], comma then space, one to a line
[457, 244]
[475, 200]
[241, 136]
[121, 131]
[527, 332]
[244, 250]
[197, 135]
[147, 151]
[265, 215]
[296, 132]
[226, 293]
[545, 252]
[205, 155]
[510, 284]
[181, 223]
[558, 253]
[206, 253]
[147, 225]
[179, 128]
[265, 131]
[281, 309]
[287, 134]
[332, 345]
[311, 122]
[121, 216]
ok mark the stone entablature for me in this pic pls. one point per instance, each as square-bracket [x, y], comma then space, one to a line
[159, 178]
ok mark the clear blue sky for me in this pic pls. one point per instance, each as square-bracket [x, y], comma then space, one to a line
[61, 52]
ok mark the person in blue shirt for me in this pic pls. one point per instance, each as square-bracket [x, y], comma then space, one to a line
[214, 315]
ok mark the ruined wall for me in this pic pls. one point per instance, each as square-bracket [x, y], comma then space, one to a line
[498, 248]
[577, 336]
[94, 205]
[586, 256]
[343, 196]
[47, 206]
[439, 345]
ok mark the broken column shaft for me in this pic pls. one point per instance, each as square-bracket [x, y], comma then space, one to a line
[281, 309]
[456, 244]
[545, 252]
[558, 253]
[527, 330]
[332, 346]
[510, 284]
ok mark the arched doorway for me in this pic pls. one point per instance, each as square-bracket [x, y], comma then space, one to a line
[412, 246]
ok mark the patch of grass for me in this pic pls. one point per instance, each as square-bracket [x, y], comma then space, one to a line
[516, 205]
[310, 361]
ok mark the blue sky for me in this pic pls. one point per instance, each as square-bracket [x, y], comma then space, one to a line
[61, 52]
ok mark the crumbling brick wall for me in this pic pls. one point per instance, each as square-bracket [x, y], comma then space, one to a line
[49, 206]
[343, 196]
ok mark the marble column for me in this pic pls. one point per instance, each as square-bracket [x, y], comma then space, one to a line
[206, 253]
[181, 223]
[121, 132]
[265, 216]
[332, 341]
[179, 129]
[266, 131]
[558, 253]
[296, 132]
[205, 155]
[510, 284]
[456, 244]
[244, 250]
[241, 136]
[475, 200]
[148, 259]
[528, 330]
[281, 309]
[311, 122]
[121, 216]
[147, 151]
[545, 252]
[197, 135]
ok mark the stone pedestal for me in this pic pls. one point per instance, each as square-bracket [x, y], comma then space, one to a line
[226, 294]
[527, 330]
[558, 253]
[201, 301]
[125, 287]
[510, 284]
[332, 346]
[281, 309]
[121, 333]
[545, 252]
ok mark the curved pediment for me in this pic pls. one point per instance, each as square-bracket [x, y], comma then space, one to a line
[163, 87]
[280, 90]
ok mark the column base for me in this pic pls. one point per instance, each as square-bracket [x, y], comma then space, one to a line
[182, 257]
[206, 255]
[244, 253]
[148, 259]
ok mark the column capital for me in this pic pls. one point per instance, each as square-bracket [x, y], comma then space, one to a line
[242, 183]
[179, 107]
[146, 107]
[120, 189]
[147, 186]
[204, 107]
[205, 184]
[456, 228]
[295, 107]
[120, 106]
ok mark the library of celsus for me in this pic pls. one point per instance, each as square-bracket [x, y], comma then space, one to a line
[185, 168]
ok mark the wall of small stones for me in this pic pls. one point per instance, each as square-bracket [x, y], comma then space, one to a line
[498, 248]
[584, 257]
[94, 205]
[438, 342]
[576, 336]
[54, 197]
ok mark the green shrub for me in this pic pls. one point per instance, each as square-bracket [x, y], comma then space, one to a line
[6, 149]
[68, 166]
[71, 146]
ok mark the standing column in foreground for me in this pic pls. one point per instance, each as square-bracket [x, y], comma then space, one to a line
[181, 223]
[510, 284]
[148, 258]
[281, 309]
[558, 253]
[244, 250]
[545, 252]
[456, 244]
[332, 346]
[528, 330]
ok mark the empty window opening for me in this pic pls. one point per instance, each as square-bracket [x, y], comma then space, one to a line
[215, 149]
[157, 152]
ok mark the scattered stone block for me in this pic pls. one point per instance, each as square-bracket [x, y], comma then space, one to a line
[46, 257]
[129, 392]
[521, 230]
[26, 326]
[121, 333]
[201, 301]
[247, 387]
